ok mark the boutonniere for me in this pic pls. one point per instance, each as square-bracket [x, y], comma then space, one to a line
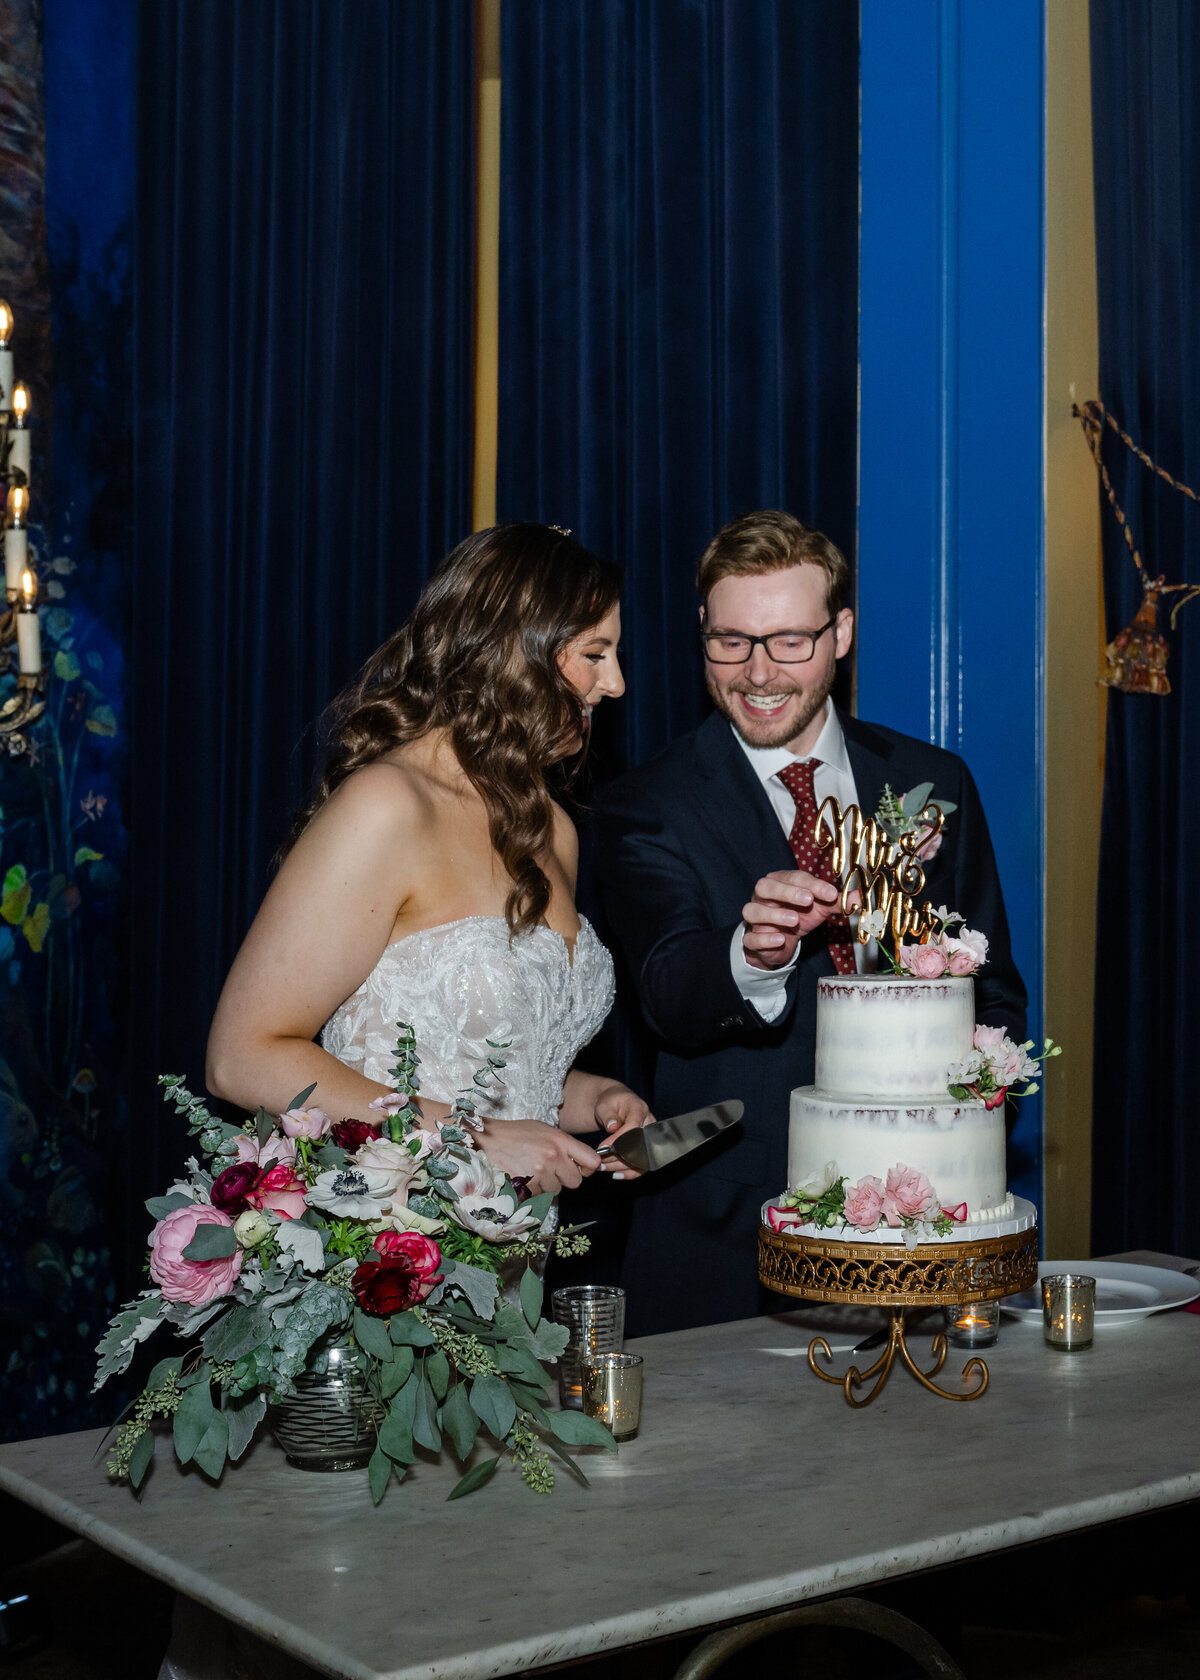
[906, 813]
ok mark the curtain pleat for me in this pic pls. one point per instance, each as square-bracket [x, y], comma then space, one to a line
[302, 337]
[1146, 124]
[678, 296]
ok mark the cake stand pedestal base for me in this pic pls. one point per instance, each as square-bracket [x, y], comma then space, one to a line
[897, 1348]
[873, 1274]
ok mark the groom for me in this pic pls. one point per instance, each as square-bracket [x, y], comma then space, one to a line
[714, 892]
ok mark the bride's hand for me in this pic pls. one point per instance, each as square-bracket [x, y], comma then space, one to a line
[547, 1158]
[618, 1109]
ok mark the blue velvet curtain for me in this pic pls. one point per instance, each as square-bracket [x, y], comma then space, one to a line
[678, 296]
[302, 330]
[1146, 117]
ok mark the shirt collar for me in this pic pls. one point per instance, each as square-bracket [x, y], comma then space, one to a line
[830, 748]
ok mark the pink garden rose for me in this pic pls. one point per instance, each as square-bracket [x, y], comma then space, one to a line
[908, 1194]
[268, 1154]
[970, 939]
[312, 1123]
[193, 1281]
[961, 960]
[864, 1204]
[924, 962]
[391, 1104]
[989, 1039]
[423, 1255]
[281, 1190]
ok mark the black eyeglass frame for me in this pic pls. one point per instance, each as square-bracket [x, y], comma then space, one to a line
[814, 636]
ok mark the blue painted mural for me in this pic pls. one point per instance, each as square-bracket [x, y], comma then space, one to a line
[65, 187]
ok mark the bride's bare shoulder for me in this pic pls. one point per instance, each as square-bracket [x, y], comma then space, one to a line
[382, 801]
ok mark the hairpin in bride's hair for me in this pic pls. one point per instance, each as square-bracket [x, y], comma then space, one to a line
[563, 530]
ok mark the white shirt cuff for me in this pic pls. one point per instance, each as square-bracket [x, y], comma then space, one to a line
[764, 988]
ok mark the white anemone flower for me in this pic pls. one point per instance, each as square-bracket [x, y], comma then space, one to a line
[497, 1218]
[352, 1192]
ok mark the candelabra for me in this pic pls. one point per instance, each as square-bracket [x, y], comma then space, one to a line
[19, 623]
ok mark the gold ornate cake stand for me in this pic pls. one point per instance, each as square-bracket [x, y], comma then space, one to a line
[867, 1274]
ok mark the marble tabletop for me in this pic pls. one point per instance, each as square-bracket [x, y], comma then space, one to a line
[751, 1486]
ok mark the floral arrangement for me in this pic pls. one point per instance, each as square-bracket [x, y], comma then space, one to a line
[994, 1066]
[942, 954]
[299, 1234]
[901, 814]
[906, 1201]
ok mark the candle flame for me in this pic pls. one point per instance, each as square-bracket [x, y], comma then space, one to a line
[20, 400]
[6, 324]
[28, 589]
[18, 504]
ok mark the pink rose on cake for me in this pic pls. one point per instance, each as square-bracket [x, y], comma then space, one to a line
[923, 962]
[864, 1204]
[908, 1194]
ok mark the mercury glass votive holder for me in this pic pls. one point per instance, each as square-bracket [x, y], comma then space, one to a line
[973, 1324]
[594, 1315]
[1068, 1311]
[612, 1391]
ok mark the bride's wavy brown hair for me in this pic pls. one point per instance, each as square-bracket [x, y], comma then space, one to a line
[478, 657]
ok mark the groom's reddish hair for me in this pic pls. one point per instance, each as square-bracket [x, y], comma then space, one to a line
[771, 540]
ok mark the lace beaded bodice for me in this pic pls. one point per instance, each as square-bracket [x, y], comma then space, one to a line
[463, 983]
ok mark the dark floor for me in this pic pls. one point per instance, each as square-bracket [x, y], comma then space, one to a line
[1121, 1603]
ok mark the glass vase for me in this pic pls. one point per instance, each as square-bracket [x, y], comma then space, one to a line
[330, 1421]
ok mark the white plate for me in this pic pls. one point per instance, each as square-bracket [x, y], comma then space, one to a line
[1124, 1293]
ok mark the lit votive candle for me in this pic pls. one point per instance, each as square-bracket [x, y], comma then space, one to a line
[612, 1391]
[1068, 1311]
[973, 1324]
[6, 358]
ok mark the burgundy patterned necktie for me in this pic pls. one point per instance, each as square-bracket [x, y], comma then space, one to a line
[797, 778]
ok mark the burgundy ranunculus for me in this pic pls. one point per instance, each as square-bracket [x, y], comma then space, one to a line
[231, 1187]
[349, 1134]
[386, 1286]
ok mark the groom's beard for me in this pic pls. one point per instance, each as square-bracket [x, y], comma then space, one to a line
[771, 732]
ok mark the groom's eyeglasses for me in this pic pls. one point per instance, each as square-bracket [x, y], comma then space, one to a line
[784, 647]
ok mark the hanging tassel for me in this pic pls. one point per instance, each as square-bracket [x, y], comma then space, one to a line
[1136, 660]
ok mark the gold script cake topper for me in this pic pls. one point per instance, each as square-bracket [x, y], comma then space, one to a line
[880, 877]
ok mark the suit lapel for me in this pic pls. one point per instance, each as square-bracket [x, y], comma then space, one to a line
[733, 806]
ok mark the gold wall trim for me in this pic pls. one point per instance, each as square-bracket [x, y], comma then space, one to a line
[1074, 703]
[487, 261]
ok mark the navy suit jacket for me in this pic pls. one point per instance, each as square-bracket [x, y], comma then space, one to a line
[681, 841]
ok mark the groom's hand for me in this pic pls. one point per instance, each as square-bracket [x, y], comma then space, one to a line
[787, 904]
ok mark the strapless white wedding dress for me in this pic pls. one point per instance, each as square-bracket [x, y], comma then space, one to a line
[465, 983]
[457, 986]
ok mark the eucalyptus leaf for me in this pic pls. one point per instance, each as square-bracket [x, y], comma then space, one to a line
[140, 1458]
[193, 1418]
[395, 1437]
[532, 1400]
[539, 1206]
[264, 1125]
[474, 1478]
[579, 1430]
[211, 1242]
[169, 1367]
[460, 1422]
[916, 799]
[437, 1372]
[408, 1331]
[572, 1464]
[532, 1294]
[425, 1425]
[299, 1102]
[397, 1372]
[371, 1334]
[158, 1207]
[493, 1404]
[210, 1454]
[379, 1474]
[242, 1418]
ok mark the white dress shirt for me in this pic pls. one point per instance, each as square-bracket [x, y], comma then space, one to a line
[765, 988]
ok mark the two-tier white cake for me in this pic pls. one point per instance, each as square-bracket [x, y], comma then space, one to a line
[885, 1045]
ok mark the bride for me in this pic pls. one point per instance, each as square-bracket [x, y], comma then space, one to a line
[432, 878]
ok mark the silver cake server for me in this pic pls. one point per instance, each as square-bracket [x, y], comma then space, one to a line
[663, 1141]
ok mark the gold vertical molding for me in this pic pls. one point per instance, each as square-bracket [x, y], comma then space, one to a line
[487, 261]
[1074, 703]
